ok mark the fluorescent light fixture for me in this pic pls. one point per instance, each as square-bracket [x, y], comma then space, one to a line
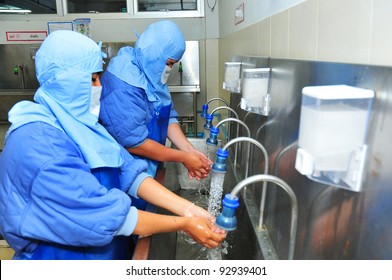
[8, 9]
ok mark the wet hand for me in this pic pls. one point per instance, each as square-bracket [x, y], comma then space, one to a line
[198, 165]
[196, 211]
[205, 232]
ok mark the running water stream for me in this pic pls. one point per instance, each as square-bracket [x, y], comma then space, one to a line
[209, 196]
[218, 173]
[214, 205]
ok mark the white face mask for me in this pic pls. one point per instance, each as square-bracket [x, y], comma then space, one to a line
[95, 100]
[165, 74]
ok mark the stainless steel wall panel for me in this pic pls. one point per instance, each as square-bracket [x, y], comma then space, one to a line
[333, 223]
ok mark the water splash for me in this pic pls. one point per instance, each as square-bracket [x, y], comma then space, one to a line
[214, 205]
[216, 253]
[204, 183]
[216, 191]
[212, 185]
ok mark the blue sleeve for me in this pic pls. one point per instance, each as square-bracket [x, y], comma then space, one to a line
[130, 223]
[132, 173]
[173, 115]
[69, 206]
[49, 193]
[125, 111]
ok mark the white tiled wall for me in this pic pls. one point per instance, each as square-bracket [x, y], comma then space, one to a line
[348, 31]
[303, 31]
[381, 36]
[344, 30]
[280, 35]
[352, 31]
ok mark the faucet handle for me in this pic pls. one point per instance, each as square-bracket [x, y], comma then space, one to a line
[16, 70]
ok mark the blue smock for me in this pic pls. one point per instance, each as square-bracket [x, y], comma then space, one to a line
[65, 183]
[130, 118]
[53, 207]
[135, 105]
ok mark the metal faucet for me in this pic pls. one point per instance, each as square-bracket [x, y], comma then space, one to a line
[278, 158]
[248, 134]
[218, 99]
[266, 165]
[204, 108]
[229, 109]
[227, 218]
[19, 70]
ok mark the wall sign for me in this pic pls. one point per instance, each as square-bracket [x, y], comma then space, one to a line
[54, 25]
[239, 14]
[26, 36]
[82, 25]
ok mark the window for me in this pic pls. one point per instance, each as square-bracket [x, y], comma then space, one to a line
[106, 8]
[169, 8]
[28, 6]
[166, 5]
[96, 6]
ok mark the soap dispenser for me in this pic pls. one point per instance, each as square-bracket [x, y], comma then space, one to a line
[232, 80]
[254, 90]
[332, 135]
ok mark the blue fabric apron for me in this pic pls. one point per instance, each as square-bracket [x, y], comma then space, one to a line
[157, 131]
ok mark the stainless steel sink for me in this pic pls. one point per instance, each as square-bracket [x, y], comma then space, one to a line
[243, 243]
[181, 173]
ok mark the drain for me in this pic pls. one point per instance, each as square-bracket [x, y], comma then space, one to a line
[204, 192]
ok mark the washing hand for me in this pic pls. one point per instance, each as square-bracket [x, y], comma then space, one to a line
[205, 233]
[198, 164]
[196, 211]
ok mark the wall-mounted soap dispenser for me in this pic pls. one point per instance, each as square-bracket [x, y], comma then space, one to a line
[332, 134]
[254, 89]
[232, 80]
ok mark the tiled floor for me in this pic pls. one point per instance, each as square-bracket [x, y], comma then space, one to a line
[6, 252]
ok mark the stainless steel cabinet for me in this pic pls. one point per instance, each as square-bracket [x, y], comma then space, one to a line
[184, 85]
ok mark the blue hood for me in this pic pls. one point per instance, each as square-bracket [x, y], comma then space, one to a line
[64, 64]
[142, 66]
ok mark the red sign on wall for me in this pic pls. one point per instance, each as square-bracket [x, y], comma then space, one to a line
[26, 36]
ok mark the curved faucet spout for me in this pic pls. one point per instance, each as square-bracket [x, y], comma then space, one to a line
[253, 141]
[239, 122]
[234, 120]
[294, 203]
[234, 113]
[218, 99]
[204, 108]
[266, 165]
[227, 108]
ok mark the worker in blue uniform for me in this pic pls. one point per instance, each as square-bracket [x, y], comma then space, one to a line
[136, 106]
[65, 183]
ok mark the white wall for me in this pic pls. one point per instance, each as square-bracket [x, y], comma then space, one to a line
[215, 24]
[352, 31]
[255, 11]
[349, 31]
[346, 31]
[107, 30]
